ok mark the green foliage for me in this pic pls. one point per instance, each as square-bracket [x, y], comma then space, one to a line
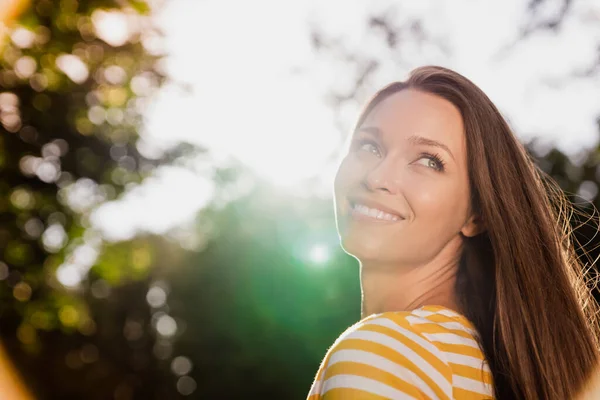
[71, 106]
[70, 111]
[124, 261]
[257, 309]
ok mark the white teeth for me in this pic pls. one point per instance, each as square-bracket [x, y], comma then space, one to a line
[374, 213]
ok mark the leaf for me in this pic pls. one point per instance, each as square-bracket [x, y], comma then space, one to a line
[140, 6]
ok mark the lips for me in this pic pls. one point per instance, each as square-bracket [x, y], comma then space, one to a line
[374, 209]
[362, 210]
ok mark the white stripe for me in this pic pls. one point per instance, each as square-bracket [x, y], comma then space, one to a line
[451, 338]
[366, 384]
[445, 312]
[406, 351]
[423, 313]
[414, 337]
[450, 313]
[473, 385]
[449, 325]
[382, 363]
[415, 319]
[315, 388]
[468, 361]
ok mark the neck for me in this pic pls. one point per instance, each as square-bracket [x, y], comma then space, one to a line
[404, 289]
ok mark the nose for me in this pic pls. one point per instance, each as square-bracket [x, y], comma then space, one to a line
[383, 177]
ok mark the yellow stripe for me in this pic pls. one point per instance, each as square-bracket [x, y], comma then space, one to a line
[433, 327]
[472, 373]
[464, 394]
[443, 318]
[439, 318]
[426, 355]
[458, 318]
[368, 371]
[460, 349]
[384, 351]
[351, 394]
[323, 364]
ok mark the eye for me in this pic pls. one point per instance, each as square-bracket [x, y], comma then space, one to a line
[433, 161]
[368, 146]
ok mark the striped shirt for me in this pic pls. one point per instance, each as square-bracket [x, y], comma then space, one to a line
[427, 353]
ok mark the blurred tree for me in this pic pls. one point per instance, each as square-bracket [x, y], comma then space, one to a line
[76, 77]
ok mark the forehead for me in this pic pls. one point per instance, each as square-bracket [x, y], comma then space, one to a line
[409, 112]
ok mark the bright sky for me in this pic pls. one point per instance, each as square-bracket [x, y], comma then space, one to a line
[259, 89]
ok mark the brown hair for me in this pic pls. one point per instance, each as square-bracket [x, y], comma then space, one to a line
[519, 282]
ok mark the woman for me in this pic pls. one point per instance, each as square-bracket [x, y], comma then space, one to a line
[471, 288]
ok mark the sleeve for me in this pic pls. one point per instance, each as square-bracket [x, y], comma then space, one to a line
[383, 357]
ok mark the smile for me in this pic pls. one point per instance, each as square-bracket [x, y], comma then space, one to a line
[360, 210]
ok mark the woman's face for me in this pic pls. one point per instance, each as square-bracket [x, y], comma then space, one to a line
[402, 191]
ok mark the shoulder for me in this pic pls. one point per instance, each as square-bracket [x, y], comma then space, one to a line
[395, 355]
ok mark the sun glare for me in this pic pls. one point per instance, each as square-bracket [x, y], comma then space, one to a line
[283, 133]
[319, 254]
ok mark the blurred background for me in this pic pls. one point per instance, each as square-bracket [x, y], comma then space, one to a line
[166, 220]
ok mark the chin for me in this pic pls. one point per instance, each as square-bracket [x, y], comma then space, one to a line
[363, 249]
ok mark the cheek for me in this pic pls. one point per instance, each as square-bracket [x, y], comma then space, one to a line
[439, 205]
[347, 176]
[340, 188]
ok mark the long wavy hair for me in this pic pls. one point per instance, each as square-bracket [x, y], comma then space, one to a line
[519, 282]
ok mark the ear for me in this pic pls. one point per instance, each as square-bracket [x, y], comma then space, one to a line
[473, 227]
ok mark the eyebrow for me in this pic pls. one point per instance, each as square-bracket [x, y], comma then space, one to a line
[413, 139]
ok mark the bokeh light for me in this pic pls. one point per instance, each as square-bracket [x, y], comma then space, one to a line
[69, 275]
[181, 365]
[113, 27]
[319, 253]
[3, 271]
[54, 238]
[73, 67]
[156, 297]
[22, 37]
[165, 325]
[186, 385]
[100, 289]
